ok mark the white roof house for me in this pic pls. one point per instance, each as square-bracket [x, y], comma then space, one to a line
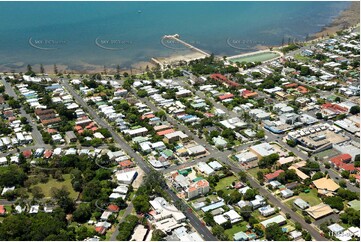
[263, 149]
[204, 168]
[220, 219]
[215, 165]
[233, 216]
[126, 177]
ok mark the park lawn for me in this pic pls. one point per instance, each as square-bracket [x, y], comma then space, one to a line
[53, 183]
[224, 182]
[238, 227]
[310, 197]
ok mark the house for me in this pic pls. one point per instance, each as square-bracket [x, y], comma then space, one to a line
[105, 215]
[267, 210]
[263, 149]
[196, 150]
[219, 141]
[326, 186]
[113, 208]
[319, 211]
[7, 189]
[296, 235]
[198, 188]
[2, 210]
[126, 164]
[301, 203]
[279, 219]
[272, 176]
[70, 137]
[336, 229]
[286, 193]
[139, 233]
[241, 236]
[355, 204]
[126, 177]
[246, 157]
[215, 165]
[34, 209]
[175, 136]
[204, 168]
[223, 79]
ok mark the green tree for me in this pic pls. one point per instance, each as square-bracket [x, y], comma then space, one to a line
[218, 231]
[158, 235]
[355, 110]
[141, 204]
[82, 214]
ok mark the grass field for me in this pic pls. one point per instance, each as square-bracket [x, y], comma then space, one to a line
[254, 171]
[52, 183]
[256, 57]
[224, 182]
[238, 227]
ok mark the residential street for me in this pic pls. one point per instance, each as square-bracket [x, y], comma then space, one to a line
[194, 221]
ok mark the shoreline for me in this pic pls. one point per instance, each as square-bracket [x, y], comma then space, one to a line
[349, 17]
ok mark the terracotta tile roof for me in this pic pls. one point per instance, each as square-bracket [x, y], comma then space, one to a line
[164, 132]
[224, 79]
[226, 96]
[113, 208]
[273, 175]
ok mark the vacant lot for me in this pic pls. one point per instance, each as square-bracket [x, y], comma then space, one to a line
[52, 183]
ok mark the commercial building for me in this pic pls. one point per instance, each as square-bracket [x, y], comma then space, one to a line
[263, 149]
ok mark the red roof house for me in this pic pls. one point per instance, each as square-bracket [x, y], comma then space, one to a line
[48, 154]
[2, 210]
[27, 153]
[271, 176]
[100, 229]
[223, 79]
[341, 158]
[164, 132]
[126, 164]
[225, 96]
[113, 208]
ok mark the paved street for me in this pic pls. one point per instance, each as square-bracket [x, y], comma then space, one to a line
[296, 151]
[37, 137]
[194, 221]
[223, 156]
[128, 211]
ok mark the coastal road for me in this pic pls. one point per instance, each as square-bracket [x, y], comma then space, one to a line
[193, 220]
[38, 138]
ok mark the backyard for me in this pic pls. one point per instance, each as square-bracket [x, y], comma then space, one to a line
[225, 182]
[238, 227]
